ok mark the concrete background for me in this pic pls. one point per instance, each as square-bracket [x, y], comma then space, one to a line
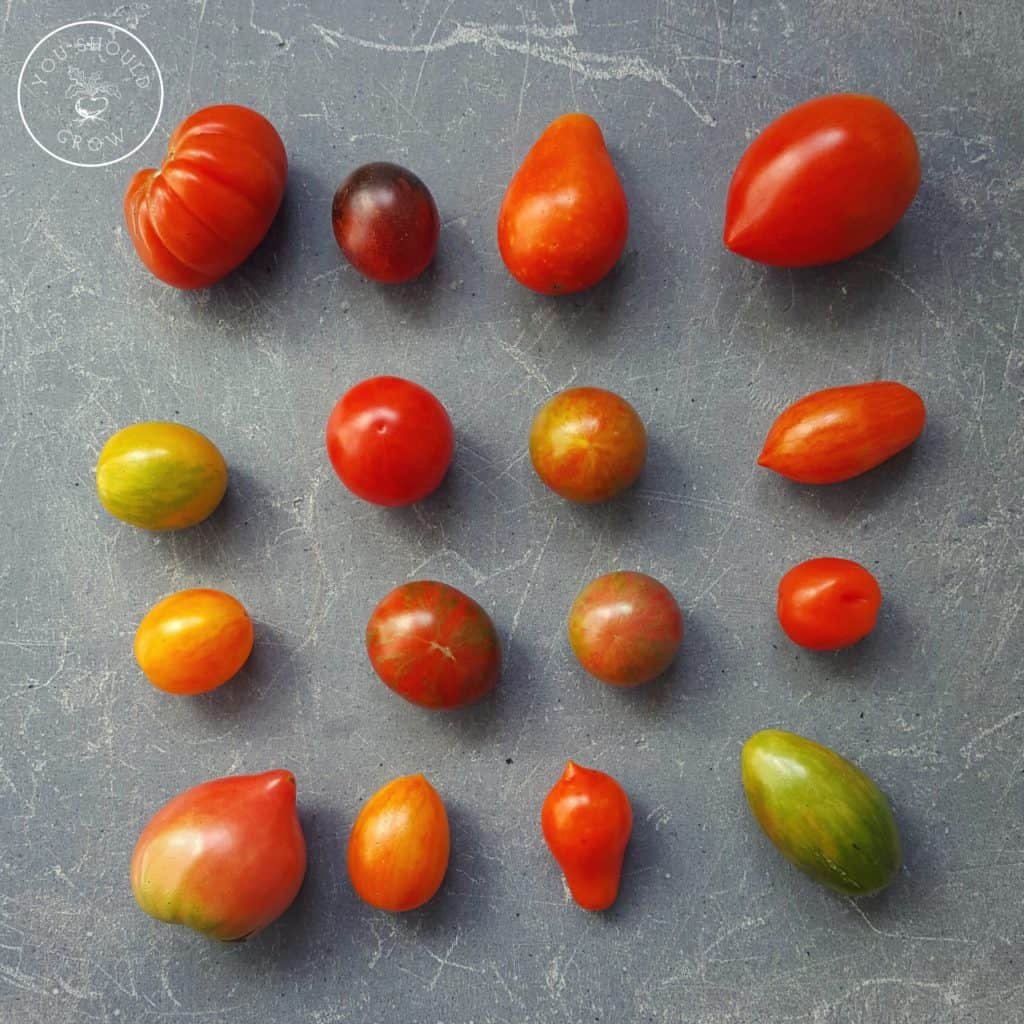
[712, 925]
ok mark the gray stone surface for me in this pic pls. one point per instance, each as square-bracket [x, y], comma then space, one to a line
[712, 925]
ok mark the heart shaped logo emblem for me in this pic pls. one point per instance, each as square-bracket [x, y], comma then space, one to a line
[91, 108]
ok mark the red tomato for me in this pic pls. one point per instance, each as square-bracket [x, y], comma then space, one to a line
[828, 603]
[225, 858]
[204, 211]
[433, 645]
[399, 845]
[839, 433]
[564, 219]
[586, 820]
[588, 444]
[821, 183]
[390, 441]
[625, 628]
[386, 222]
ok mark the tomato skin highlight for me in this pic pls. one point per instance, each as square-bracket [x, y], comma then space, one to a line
[390, 441]
[587, 820]
[625, 628]
[588, 444]
[213, 199]
[224, 858]
[399, 845]
[822, 182]
[433, 645]
[836, 434]
[563, 222]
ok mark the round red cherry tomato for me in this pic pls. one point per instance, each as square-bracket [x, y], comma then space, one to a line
[433, 645]
[386, 222]
[821, 183]
[213, 199]
[588, 444]
[625, 628]
[828, 603]
[390, 441]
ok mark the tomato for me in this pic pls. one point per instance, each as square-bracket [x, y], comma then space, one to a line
[839, 433]
[226, 857]
[823, 814]
[214, 198]
[386, 222]
[588, 444]
[564, 219]
[390, 441]
[399, 845]
[193, 641]
[586, 820]
[822, 182]
[160, 476]
[625, 628]
[433, 645]
[828, 603]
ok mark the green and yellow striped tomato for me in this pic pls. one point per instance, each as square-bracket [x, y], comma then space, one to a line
[160, 476]
[822, 812]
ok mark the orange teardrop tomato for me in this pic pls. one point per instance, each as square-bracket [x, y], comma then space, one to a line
[587, 820]
[828, 603]
[564, 219]
[839, 433]
[399, 845]
[211, 202]
[193, 641]
[226, 857]
[821, 183]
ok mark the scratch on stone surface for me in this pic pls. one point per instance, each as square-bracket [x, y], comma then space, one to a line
[967, 750]
[283, 44]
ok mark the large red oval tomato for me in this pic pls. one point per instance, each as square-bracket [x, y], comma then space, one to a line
[828, 603]
[213, 199]
[433, 645]
[390, 441]
[821, 183]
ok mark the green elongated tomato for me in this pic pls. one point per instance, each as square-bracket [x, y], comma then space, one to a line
[822, 812]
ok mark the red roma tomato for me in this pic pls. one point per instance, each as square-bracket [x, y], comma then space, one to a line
[828, 603]
[390, 441]
[821, 183]
[586, 820]
[386, 222]
[210, 204]
[193, 641]
[839, 433]
[398, 849]
[564, 219]
[433, 645]
[625, 628]
[588, 444]
[225, 858]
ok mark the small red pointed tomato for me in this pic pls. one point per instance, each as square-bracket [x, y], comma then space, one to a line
[822, 182]
[193, 641]
[564, 219]
[390, 441]
[399, 845]
[839, 433]
[226, 857]
[625, 628]
[586, 820]
[588, 444]
[433, 645]
[828, 603]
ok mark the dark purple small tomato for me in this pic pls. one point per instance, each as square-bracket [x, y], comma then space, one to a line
[386, 222]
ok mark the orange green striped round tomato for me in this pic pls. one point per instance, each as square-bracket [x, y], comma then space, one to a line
[193, 641]
[822, 812]
[160, 476]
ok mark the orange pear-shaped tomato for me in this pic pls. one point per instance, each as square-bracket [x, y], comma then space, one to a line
[564, 219]
[225, 858]
[586, 821]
